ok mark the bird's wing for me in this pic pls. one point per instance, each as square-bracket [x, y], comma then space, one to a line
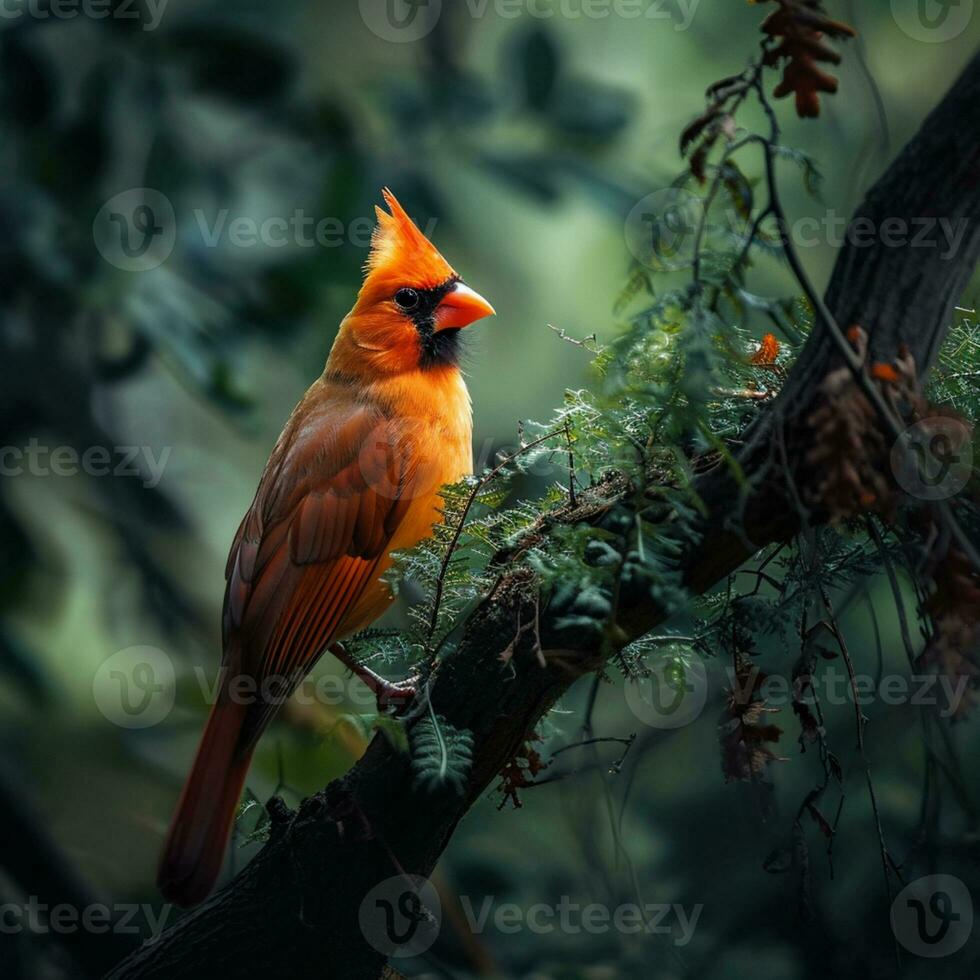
[335, 489]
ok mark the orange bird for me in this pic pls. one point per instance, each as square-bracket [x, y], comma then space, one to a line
[354, 475]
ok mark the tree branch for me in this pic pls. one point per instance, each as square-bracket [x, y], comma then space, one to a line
[294, 909]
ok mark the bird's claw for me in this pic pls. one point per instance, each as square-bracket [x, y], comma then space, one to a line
[397, 695]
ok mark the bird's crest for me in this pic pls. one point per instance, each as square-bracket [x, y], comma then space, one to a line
[401, 251]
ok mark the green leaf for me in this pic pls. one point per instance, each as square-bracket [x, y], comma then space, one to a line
[441, 754]
[263, 823]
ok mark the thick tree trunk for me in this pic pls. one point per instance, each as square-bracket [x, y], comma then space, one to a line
[294, 910]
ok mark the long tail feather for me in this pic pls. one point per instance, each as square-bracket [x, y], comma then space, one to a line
[195, 846]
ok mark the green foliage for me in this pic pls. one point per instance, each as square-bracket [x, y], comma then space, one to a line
[812, 178]
[366, 725]
[441, 754]
[955, 380]
[676, 384]
[774, 607]
[579, 570]
[452, 574]
[252, 822]
[237, 106]
[674, 657]
[388, 646]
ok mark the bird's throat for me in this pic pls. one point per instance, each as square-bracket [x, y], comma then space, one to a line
[438, 348]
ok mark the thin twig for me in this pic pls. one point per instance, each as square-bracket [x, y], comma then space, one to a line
[458, 531]
[860, 721]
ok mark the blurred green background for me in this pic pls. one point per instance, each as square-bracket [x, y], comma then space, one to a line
[526, 140]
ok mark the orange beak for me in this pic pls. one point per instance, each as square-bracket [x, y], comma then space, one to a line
[460, 307]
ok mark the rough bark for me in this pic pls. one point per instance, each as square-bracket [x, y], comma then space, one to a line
[294, 910]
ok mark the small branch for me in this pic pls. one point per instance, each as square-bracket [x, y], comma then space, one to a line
[481, 484]
[860, 721]
[590, 343]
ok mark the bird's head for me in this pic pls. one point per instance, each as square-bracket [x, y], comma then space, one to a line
[412, 304]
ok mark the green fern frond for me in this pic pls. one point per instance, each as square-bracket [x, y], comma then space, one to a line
[955, 381]
[441, 754]
[259, 830]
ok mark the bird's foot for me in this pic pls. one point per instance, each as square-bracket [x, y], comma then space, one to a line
[395, 695]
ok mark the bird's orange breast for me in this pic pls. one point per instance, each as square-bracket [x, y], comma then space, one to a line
[434, 409]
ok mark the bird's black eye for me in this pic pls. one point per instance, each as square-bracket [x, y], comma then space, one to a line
[407, 298]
